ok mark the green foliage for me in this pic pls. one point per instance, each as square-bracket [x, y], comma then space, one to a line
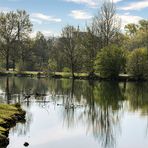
[66, 69]
[138, 63]
[14, 28]
[110, 61]
[8, 116]
[52, 65]
[137, 35]
[24, 66]
[20, 66]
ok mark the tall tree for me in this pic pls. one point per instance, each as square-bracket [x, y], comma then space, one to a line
[14, 26]
[90, 45]
[107, 23]
[41, 51]
[71, 47]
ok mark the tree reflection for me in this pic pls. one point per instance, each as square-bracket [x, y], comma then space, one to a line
[7, 90]
[101, 113]
[137, 96]
[69, 109]
[96, 105]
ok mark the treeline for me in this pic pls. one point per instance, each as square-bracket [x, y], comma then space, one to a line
[102, 48]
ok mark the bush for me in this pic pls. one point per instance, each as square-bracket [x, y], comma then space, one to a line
[66, 69]
[52, 65]
[110, 61]
[138, 63]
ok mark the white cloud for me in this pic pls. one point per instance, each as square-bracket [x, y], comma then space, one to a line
[80, 15]
[36, 21]
[116, 1]
[136, 5]
[46, 33]
[43, 17]
[91, 3]
[127, 18]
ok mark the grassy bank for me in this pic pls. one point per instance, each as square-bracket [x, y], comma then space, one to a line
[67, 75]
[85, 76]
[9, 116]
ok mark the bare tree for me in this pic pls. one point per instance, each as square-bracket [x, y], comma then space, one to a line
[107, 23]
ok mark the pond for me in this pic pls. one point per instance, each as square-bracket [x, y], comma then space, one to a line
[69, 114]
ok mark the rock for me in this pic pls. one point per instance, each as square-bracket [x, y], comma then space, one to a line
[26, 144]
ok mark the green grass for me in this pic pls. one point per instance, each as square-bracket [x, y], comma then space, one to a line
[7, 116]
[55, 74]
[68, 74]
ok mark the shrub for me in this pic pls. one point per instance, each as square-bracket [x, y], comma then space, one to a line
[52, 65]
[66, 69]
[137, 64]
[110, 61]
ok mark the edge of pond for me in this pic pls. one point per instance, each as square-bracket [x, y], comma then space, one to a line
[120, 78]
[10, 121]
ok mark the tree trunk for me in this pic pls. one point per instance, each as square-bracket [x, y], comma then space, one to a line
[8, 95]
[92, 74]
[72, 71]
[13, 65]
[7, 59]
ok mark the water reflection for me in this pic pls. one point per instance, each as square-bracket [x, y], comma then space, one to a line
[98, 106]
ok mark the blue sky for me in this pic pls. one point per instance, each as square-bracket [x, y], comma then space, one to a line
[50, 16]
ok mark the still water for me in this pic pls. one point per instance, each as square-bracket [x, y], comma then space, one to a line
[78, 114]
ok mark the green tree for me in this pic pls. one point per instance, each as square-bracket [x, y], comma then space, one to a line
[137, 35]
[110, 61]
[90, 47]
[52, 65]
[70, 41]
[41, 51]
[138, 64]
[14, 26]
[131, 29]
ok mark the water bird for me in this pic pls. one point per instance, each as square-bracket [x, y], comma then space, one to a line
[26, 144]
[27, 97]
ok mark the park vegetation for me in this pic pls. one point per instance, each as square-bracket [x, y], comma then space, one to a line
[102, 48]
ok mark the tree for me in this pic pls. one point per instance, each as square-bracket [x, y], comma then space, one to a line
[70, 41]
[110, 61]
[52, 65]
[131, 29]
[90, 45]
[144, 30]
[41, 51]
[137, 35]
[107, 24]
[14, 26]
[137, 63]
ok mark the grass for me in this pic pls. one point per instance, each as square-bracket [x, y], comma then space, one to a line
[68, 74]
[9, 116]
[39, 74]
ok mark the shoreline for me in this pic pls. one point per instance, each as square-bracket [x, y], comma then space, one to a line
[78, 76]
[10, 115]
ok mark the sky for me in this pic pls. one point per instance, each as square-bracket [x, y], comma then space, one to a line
[50, 16]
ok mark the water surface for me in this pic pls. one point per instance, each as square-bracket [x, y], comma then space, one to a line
[70, 114]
